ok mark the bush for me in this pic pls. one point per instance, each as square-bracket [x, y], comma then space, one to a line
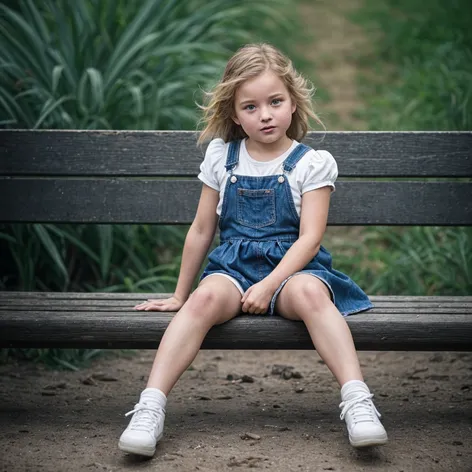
[422, 57]
[420, 78]
[113, 64]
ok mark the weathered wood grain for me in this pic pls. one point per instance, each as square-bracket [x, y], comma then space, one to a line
[111, 200]
[107, 320]
[373, 330]
[175, 153]
[110, 297]
[92, 304]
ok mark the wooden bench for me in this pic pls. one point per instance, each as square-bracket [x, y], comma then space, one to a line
[150, 177]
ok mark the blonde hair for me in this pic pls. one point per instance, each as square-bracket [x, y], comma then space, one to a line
[248, 62]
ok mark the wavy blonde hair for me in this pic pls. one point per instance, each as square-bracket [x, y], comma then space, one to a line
[248, 62]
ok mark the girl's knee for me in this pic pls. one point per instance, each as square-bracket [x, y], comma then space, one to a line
[205, 305]
[310, 292]
[203, 297]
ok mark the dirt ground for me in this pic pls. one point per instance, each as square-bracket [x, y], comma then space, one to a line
[239, 410]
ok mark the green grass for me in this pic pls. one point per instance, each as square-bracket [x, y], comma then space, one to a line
[65, 359]
[419, 70]
[113, 64]
[417, 75]
[107, 258]
[407, 261]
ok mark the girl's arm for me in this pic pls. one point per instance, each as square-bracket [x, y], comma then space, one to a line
[197, 243]
[313, 219]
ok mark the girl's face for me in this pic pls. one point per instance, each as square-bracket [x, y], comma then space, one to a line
[263, 108]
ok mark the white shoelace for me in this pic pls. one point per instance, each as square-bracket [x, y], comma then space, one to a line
[145, 417]
[361, 407]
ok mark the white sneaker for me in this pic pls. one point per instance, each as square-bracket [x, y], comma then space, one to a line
[362, 418]
[146, 427]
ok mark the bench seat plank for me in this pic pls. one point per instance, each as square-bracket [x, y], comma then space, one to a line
[127, 306]
[135, 297]
[107, 320]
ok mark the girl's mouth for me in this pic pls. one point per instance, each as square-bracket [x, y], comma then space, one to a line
[268, 129]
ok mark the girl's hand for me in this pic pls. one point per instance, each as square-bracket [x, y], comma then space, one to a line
[257, 298]
[160, 304]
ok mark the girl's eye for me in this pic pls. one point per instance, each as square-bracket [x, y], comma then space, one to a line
[250, 107]
[276, 101]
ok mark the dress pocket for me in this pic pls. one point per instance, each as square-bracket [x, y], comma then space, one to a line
[256, 208]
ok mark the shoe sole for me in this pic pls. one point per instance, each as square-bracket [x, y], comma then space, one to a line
[140, 451]
[369, 442]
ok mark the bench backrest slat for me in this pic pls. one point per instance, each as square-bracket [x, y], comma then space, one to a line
[150, 177]
[121, 200]
[161, 153]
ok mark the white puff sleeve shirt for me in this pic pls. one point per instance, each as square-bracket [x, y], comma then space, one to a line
[316, 169]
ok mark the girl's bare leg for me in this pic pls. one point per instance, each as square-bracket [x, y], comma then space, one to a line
[306, 298]
[215, 301]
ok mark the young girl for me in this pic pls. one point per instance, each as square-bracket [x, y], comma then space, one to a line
[270, 195]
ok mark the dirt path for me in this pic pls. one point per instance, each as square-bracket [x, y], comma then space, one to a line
[333, 43]
[71, 421]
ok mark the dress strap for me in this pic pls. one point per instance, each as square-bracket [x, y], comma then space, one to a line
[295, 156]
[233, 155]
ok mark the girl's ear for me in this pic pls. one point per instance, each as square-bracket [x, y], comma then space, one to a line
[235, 119]
[294, 107]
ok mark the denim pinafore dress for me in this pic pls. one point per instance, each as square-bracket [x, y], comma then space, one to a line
[259, 223]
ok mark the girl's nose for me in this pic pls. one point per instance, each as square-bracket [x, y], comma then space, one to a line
[265, 114]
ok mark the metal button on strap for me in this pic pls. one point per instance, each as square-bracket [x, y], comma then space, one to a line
[234, 179]
[281, 179]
